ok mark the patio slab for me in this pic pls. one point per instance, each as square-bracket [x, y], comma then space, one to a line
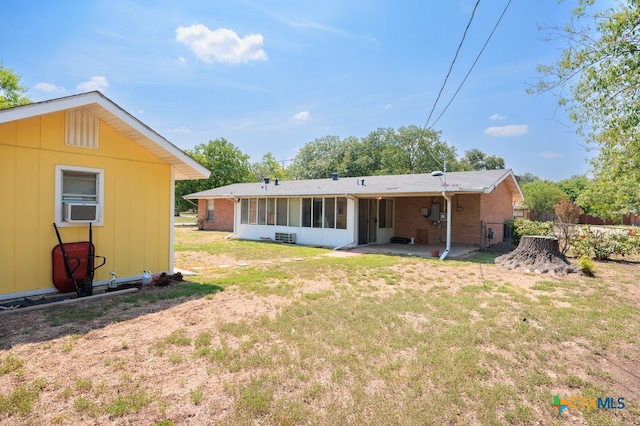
[458, 251]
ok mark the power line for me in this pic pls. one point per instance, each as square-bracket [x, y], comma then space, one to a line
[474, 62]
[444, 83]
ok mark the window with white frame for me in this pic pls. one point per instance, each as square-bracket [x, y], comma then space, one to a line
[317, 212]
[210, 210]
[79, 195]
[282, 211]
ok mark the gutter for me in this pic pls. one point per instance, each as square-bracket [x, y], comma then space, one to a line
[188, 200]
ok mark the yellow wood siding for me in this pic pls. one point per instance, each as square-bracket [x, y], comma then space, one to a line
[137, 211]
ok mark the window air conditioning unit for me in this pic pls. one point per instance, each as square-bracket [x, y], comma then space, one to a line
[80, 212]
[286, 237]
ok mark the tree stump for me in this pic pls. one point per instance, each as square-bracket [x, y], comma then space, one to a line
[537, 254]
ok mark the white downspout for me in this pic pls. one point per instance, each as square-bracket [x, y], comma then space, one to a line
[352, 243]
[448, 246]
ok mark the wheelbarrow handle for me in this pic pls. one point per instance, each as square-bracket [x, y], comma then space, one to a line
[102, 258]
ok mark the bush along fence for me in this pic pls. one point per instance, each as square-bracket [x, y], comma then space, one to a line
[583, 241]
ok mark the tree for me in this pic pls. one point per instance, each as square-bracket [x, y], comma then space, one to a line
[363, 157]
[414, 150]
[410, 149]
[574, 186]
[227, 164]
[11, 91]
[526, 178]
[474, 159]
[318, 159]
[268, 167]
[599, 70]
[540, 197]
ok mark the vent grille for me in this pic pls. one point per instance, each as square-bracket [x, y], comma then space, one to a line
[82, 128]
[80, 212]
[286, 237]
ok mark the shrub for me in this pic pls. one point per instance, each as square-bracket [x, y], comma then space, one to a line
[522, 227]
[586, 266]
[602, 244]
[567, 215]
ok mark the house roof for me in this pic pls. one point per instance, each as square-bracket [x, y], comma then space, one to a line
[483, 181]
[96, 103]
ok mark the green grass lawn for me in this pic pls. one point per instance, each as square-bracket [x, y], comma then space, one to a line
[369, 339]
[186, 218]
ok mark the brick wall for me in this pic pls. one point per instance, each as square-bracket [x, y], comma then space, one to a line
[495, 209]
[465, 219]
[467, 211]
[409, 218]
[222, 215]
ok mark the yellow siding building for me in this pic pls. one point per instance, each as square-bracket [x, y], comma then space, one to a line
[66, 158]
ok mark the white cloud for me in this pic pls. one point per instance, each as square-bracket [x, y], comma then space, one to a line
[50, 88]
[302, 115]
[510, 130]
[221, 45]
[497, 117]
[97, 82]
[182, 130]
[549, 154]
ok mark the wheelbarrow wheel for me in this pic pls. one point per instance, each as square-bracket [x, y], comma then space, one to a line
[86, 287]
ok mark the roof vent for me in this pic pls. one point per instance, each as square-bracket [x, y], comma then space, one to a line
[266, 180]
[362, 182]
[275, 181]
[334, 175]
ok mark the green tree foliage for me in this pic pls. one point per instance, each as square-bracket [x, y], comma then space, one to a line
[597, 77]
[318, 159]
[364, 157]
[268, 167]
[574, 186]
[414, 150]
[382, 152]
[527, 178]
[540, 197]
[475, 159]
[227, 164]
[11, 91]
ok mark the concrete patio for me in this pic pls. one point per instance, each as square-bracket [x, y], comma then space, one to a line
[458, 251]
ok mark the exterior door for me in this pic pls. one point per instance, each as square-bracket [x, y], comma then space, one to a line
[367, 221]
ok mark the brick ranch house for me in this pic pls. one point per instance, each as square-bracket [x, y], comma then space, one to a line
[346, 212]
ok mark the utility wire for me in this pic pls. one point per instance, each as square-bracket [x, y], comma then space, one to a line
[474, 62]
[468, 72]
[444, 83]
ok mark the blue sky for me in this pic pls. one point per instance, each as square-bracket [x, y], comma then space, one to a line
[271, 76]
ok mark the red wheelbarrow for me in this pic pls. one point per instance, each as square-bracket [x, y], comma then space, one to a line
[74, 265]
